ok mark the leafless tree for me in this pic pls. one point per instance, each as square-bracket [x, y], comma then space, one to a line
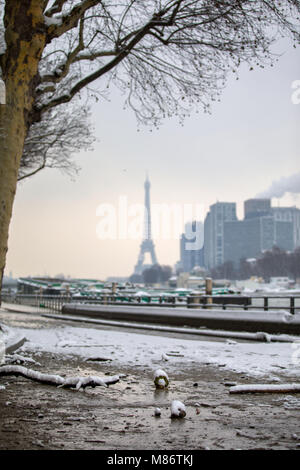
[167, 56]
[53, 141]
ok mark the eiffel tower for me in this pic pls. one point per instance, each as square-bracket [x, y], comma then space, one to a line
[147, 245]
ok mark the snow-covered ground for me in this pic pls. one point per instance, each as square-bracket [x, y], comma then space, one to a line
[154, 351]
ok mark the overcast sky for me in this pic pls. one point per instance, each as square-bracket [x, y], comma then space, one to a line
[250, 140]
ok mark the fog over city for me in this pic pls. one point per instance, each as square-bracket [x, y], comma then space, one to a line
[247, 147]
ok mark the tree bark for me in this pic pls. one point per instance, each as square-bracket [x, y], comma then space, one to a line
[25, 36]
[11, 145]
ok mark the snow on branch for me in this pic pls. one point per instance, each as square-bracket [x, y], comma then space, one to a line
[57, 380]
[266, 388]
[2, 38]
[57, 20]
[167, 57]
[19, 359]
[55, 8]
[68, 21]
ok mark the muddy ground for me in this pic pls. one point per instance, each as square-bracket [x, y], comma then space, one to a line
[121, 417]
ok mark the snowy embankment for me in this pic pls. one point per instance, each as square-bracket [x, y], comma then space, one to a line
[124, 349]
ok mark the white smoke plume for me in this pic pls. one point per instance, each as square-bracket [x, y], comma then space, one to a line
[288, 184]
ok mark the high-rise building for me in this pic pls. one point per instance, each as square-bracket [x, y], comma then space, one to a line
[228, 239]
[191, 246]
[257, 208]
[249, 237]
[219, 213]
[289, 214]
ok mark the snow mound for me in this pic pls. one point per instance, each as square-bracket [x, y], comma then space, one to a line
[161, 378]
[177, 409]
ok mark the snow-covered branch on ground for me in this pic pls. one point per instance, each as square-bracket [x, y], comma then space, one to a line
[266, 388]
[57, 380]
[18, 359]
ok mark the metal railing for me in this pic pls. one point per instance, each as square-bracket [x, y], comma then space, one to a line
[41, 302]
[256, 302]
[222, 301]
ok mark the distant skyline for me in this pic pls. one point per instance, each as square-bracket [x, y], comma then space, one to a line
[249, 141]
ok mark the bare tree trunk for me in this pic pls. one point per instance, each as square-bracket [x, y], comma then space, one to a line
[20, 73]
[11, 146]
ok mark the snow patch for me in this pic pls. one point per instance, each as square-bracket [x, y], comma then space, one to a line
[2, 31]
[2, 91]
[146, 350]
[56, 20]
[177, 409]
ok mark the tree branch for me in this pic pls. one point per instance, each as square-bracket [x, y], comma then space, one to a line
[70, 21]
[140, 34]
[95, 55]
[64, 68]
[56, 7]
[265, 388]
[34, 172]
[57, 380]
